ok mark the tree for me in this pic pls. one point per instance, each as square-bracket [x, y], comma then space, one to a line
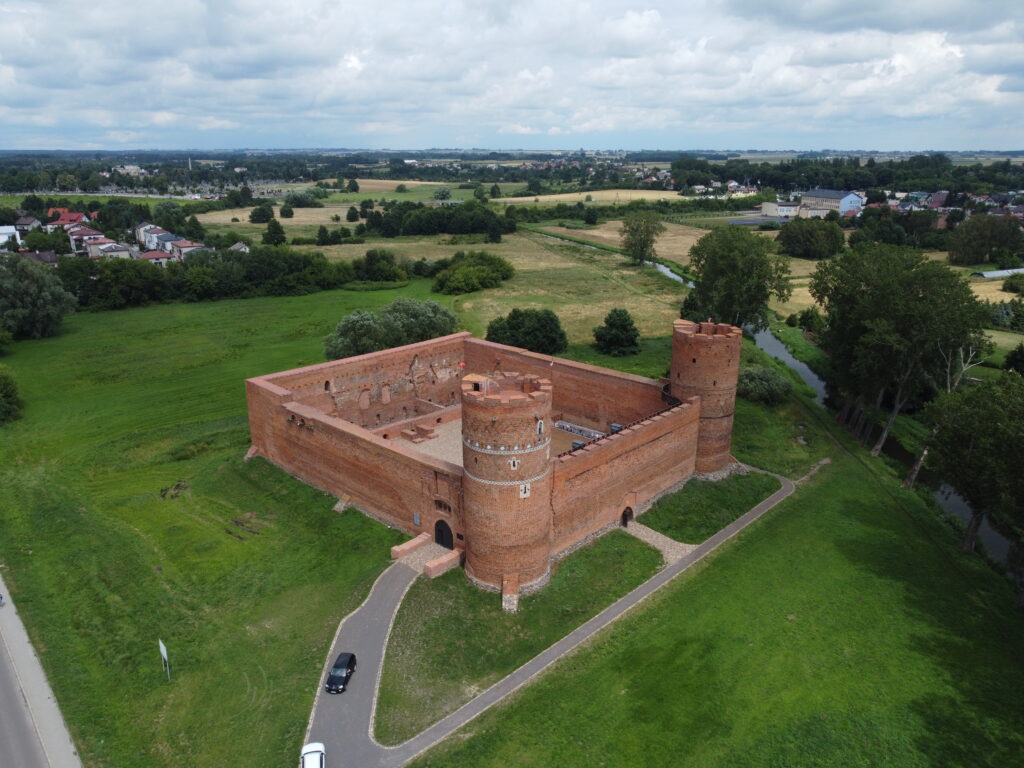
[984, 238]
[401, 188]
[977, 449]
[10, 401]
[275, 234]
[286, 212]
[811, 238]
[738, 272]
[33, 302]
[261, 214]
[352, 214]
[442, 193]
[619, 335]
[538, 330]
[322, 236]
[403, 321]
[590, 216]
[193, 230]
[352, 186]
[639, 232]
[1015, 359]
[495, 190]
[897, 321]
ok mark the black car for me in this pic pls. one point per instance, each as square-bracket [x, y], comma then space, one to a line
[341, 673]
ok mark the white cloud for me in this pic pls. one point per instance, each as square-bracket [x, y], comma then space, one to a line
[703, 73]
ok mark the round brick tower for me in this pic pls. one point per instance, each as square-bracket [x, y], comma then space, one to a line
[706, 362]
[506, 486]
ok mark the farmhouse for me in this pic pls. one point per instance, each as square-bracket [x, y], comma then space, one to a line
[507, 457]
[818, 202]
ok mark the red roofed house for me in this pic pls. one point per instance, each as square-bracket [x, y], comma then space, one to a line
[65, 220]
[160, 258]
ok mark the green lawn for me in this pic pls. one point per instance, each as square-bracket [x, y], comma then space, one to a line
[451, 640]
[844, 629]
[241, 570]
[79, 202]
[702, 508]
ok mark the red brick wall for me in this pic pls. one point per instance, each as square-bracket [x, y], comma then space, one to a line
[584, 394]
[592, 486]
[380, 387]
[506, 455]
[385, 478]
[705, 363]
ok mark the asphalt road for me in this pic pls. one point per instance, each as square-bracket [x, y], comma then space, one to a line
[19, 743]
[32, 730]
[344, 722]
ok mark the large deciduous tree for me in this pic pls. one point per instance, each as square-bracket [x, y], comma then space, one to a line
[639, 232]
[403, 321]
[811, 238]
[897, 323]
[619, 335]
[738, 273]
[977, 449]
[275, 233]
[538, 330]
[984, 238]
[33, 301]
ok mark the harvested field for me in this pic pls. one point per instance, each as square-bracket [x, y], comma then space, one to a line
[992, 290]
[673, 245]
[603, 196]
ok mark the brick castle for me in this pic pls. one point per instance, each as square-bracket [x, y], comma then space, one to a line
[510, 458]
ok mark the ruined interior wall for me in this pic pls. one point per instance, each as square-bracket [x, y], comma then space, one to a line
[384, 478]
[592, 486]
[381, 387]
[584, 394]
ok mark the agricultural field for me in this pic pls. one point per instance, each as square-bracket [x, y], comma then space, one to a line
[599, 196]
[416, 191]
[673, 244]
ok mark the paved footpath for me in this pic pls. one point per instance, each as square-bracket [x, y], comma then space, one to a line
[32, 730]
[345, 722]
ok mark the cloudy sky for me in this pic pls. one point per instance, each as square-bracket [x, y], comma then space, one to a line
[722, 74]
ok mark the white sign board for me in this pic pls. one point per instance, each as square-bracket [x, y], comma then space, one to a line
[163, 655]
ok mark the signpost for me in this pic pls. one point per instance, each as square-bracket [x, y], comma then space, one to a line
[163, 656]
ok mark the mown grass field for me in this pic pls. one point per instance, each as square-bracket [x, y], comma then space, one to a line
[702, 507]
[79, 201]
[451, 640]
[127, 515]
[843, 629]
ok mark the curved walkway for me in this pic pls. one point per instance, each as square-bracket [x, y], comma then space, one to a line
[344, 723]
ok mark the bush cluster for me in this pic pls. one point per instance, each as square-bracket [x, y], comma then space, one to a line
[403, 321]
[762, 385]
[1014, 283]
[472, 271]
[538, 330]
[619, 335]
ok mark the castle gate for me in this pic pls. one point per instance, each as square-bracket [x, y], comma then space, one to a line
[443, 534]
[627, 516]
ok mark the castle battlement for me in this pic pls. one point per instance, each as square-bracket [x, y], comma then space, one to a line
[458, 437]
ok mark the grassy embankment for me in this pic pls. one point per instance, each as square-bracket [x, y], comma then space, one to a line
[843, 629]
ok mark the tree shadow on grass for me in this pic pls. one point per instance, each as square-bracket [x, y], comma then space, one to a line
[974, 634]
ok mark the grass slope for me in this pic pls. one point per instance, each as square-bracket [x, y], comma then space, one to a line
[451, 640]
[241, 570]
[843, 629]
[701, 508]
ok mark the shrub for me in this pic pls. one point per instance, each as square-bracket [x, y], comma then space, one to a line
[1015, 359]
[261, 214]
[762, 385]
[792, 321]
[1014, 283]
[378, 266]
[811, 320]
[287, 212]
[538, 330]
[403, 321]
[10, 402]
[472, 271]
[619, 335]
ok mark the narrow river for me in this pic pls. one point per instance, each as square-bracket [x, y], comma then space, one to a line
[947, 498]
